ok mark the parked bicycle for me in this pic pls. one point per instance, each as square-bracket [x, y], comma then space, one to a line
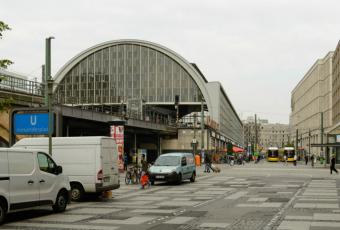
[133, 175]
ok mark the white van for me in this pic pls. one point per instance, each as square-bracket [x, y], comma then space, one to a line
[30, 178]
[91, 163]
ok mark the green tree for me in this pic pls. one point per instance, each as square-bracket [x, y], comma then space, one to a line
[229, 148]
[4, 63]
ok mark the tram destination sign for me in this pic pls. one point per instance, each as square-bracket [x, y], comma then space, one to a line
[30, 124]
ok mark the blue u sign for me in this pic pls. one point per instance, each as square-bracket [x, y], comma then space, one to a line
[31, 124]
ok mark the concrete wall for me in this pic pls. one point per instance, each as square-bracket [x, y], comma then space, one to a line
[183, 142]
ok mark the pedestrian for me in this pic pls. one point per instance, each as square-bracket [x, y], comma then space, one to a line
[332, 166]
[285, 159]
[144, 174]
[312, 160]
[306, 159]
[207, 163]
[126, 161]
[295, 159]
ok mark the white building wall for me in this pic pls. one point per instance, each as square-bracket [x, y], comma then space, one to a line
[310, 98]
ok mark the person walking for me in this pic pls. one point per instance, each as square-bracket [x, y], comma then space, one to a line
[295, 159]
[312, 160]
[285, 159]
[332, 166]
[126, 161]
[207, 163]
[306, 159]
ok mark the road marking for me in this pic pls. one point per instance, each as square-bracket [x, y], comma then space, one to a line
[279, 215]
[203, 203]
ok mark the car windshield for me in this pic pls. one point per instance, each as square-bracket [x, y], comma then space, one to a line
[167, 161]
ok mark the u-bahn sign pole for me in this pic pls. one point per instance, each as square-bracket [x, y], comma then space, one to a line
[50, 91]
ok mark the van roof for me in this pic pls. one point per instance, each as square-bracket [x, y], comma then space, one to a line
[13, 149]
[60, 140]
[176, 154]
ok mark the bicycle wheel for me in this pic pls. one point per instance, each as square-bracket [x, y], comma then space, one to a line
[127, 178]
[135, 178]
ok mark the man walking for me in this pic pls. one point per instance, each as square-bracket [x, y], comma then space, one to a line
[207, 163]
[332, 166]
[312, 160]
[306, 159]
[285, 159]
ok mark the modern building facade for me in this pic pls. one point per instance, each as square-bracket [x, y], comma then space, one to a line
[311, 105]
[136, 74]
[274, 135]
[336, 86]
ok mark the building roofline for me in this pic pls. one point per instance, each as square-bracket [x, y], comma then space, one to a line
[317, 62]
[193, 72]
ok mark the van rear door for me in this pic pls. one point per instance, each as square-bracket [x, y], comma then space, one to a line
[109, 162]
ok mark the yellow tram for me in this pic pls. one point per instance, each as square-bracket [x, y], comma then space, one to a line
[289, 152]
[273, 154]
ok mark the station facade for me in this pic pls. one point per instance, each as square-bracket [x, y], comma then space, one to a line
[136, 78]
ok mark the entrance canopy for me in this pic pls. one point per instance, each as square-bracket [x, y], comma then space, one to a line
[237, 149]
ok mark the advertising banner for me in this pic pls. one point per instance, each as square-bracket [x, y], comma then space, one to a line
[117, 133]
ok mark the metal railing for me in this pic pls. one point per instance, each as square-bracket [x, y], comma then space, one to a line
[19, 85]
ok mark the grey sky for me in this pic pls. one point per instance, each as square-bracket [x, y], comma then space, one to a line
[258, 49]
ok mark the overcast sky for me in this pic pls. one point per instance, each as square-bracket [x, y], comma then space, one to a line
[257, 49]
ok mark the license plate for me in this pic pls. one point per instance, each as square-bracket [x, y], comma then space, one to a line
[160, 177]
[106, 179]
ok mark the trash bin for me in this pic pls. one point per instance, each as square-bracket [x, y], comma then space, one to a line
[198, 160]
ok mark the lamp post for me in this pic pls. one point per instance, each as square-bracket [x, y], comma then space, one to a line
[50, 91]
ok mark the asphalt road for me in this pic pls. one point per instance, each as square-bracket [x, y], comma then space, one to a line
[253, 196]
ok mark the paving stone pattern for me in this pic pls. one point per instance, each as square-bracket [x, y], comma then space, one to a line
[262, 196]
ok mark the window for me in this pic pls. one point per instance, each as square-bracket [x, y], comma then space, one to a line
[46, 164]
[184, 161]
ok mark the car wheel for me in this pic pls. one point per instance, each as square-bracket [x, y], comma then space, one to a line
[77, 192]
[3, 212]
[193, 177]
[61, 202]
[179, 181]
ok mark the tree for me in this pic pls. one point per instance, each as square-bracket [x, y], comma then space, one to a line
[230, 148]
[4, 63]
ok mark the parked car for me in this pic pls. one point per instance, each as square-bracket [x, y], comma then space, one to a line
[173, 167]
[30, 178]
[91, 163]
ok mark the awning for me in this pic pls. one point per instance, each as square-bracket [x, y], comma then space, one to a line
[237, 149]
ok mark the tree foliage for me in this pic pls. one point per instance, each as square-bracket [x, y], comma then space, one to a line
[5, 104]
[229, 148]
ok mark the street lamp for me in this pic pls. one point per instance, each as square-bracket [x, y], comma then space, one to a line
[49, 90]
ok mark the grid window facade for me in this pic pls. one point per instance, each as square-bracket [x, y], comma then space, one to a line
[121, 72]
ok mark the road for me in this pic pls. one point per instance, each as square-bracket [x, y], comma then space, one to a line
[254, 196]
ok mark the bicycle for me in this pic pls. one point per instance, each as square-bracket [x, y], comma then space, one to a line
[133, 175]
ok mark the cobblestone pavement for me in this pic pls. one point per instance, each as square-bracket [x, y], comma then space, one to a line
[254, 196]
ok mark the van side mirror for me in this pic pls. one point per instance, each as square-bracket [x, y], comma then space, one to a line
[59, 170]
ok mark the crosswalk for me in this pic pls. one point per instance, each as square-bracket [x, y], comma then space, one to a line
[316, 207]
[286, 204]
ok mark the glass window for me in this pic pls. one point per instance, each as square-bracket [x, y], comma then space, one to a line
[184, 161]
[46, 164]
